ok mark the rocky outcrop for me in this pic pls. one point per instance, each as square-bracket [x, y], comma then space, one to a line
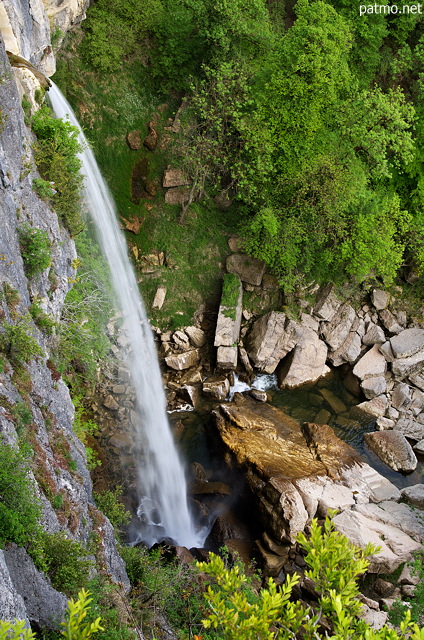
[299, 473]
[248, 269]
[305, 363]
[393, 448]
[271, 338]
[59, 466]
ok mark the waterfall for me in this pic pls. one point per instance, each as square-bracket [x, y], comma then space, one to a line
[163, 510]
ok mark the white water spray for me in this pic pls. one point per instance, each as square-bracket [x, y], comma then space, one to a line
[163, 509]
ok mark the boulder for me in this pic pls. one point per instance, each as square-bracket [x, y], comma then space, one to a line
[368, 485]
[414, 495]
[376, 407]
[401, 396]
[350, 349]
[406, 367]
[180, 361]
[389, 321]
[335, 404]
[134, 140]
[417, 380]
[226, 358]
[228, 323]
[373, 387]
[375, 619]
[159, 298]
[249, 270]
[397, 514]
[380, 299]
[392, 448]
[338, 328]
[196, 335]
[217, 387]
[372, 364]
[407, 342]
[12, 604]
[326, 304]
[174, 178]
[410, 428]
[177, 195]
[374, 335]
[305, 363]
[387, 352]
[271, 338]
[151, 140]
[419, 447]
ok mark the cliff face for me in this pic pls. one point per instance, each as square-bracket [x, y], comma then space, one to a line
[58, 460]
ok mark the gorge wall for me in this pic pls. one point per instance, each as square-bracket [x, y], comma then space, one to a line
[58, 458]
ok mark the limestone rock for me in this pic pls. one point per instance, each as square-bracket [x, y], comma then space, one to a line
[380, 299]
[410, 428]
[305, 363]
[406, 367]
[371, 364]
[174, 178]
[226, 358]
[159, 298]
[383, 423]
[134, 140]
[350, 349]
[414, 495]
[419, 447]
[368, 485]
[333, 401]
[393, 448]
[375, 619]
[389, 321]
[257, 394]
[407, 342]
[196, 335]
[387, 352]
[401, 396]
[110, 403]
[373, 387]
[177, 195]
[417, 380]
[376, 407]
[374, 335]
[216, 386]
[249, 270]
[397, 514]
[180, 361]
[326, 304]
[337, 330]
[228, 323]
[271, 338]
[151, 140]
[44, 605]
[395, 546]
[12, 605]
[408, 576]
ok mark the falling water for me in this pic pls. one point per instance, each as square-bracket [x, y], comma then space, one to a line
[163, 511]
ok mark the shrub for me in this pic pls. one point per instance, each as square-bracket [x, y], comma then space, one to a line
[75, 625]
[65, 561]
[35, 249]
[17, 344]
[11, 296]
[23, 416]
[43, 321]
[43, 188]
[15, 631]
[56, 154]
[20, 509]
[109, 502]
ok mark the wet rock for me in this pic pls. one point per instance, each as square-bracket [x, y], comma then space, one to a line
[216, 386]
[380, 299]
[159, 298]
[260, 396]
[200, 487]
[376, 407]
[322, 417]
[181, 340]
[272, 563]
[177, 195]
[249, 270]
[305, 363]
[110, 403]
[371, 364]
[134, 140]
[384, 424]
[414, 495]
[244, 359]
[272, 337]
[174, 178]
[333, 401]
[393, 448]
[180, 361]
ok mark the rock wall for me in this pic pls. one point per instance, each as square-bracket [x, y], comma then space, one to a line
[59, 461]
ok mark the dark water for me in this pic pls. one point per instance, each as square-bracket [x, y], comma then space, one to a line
[306, 404]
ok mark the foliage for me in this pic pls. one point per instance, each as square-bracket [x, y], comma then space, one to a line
[114, 610]
[11, 296]
[335, 565]
[35, 249]
[43, 188]
[43, 320]
[65, 561]
[230, 289]
[109, 502]
[416, 604]
[56, 154]
[15, 631]
[17, 344]
[84, 427]
[75, 625]
[23, 416]
[20, 509]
